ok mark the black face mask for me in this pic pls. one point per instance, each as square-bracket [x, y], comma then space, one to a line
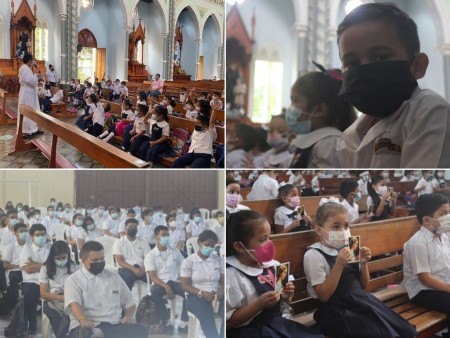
[378, 89]
[132, 232]
[96, 268]
[198, 128]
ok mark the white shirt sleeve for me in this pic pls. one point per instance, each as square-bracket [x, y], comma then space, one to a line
[72, 294]
[186, 268]
[315, 267]
[117, 248]
[149, 262]
[419, 258]
[43, 278]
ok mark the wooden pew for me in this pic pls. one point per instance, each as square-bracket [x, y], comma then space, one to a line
[116, 108]
[7, 116]
[59, 109]
[378, 236]
[100, 151]
[330, 186]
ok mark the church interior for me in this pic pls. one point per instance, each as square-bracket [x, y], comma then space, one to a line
[100, 40]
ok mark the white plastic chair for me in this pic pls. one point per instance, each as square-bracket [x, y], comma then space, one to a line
[205, 213]
[60, 230]
[193, 326]
[46, 326]
[210, 223]
[108, 244]
[213, 212]
[192, 245]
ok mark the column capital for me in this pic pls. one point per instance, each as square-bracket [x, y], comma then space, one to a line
[300, 29]
[62, 16]
[444, 48]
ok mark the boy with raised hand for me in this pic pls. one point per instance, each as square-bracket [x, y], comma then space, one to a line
[402, 125]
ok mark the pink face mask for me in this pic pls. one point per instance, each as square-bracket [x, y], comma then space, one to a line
[263, 254]
[233, 200]
[295, 201]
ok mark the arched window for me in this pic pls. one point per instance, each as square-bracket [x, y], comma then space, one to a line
[267, 84]
[41, 40]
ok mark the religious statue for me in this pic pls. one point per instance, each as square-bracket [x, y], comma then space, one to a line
[22, 46]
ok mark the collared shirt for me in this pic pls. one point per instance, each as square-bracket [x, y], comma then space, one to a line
[6, 237]
[424, 252]
[12, 254]
[140, 125]
[264, 188]
[195, 228]
[99, 220]
[429, 185]
[316, 266]
[146, 232]
[204, 274]
[112, 225]
[417, 134]
[58, 96]
[283, 216]
[219, 230]
[163, 125]
[353, 212]
[73, 231]
[239, 207]
[51, 76]
[274, 159]
[202, 141]
[166, 264]
[159, 220]
[37, 255]
[133, 252]
[87, 235]
[175, 237]
[56, 284]
[116, 88]
[49, 222]
[102, 297]
[158, 85]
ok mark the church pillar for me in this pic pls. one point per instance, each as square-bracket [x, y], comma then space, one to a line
[165, 73]
[71, 42]
[198, 53]
[220, 61]
[168, 51]
[445, 50]
[127, 42]
[302, 47]
[64, 38]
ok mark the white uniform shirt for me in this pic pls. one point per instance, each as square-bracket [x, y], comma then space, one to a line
[112, 225]
[236, 158]
[147, 232]
[180, 220]
[316, 266]
[51, 76]
[12, 254]
[175, 237]
[219, 230]
[277, 160]
[353, 212]
[204, 274]
[67, 216]
[239, 289]
[49, 222]
[99, 220]
[195, 228]
[417, 133]
[56, 284]
[129, 115]
[133, 252]
[281, 216]
[99, 114]
[162, 125]
[315, 186]
[73, 232]
[102, 297]
[166, 264]
[159, 220]
[425, 253]
[264, 188]
[57, 97]
[37, 255]
[6, 237]
[429, 185]
[89, 235]
[362, 187]
[239, 207]
[202, 141]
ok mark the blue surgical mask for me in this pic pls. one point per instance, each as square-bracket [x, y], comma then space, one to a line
[61, 264]
[357, 197]
[23, 236]
[19, 209]
[297, 127]
[197, 219]
[90, 227]
[13, 221]
[164, 241]
[40, 241]
[206, 251]
[114, 216]
[79, 222]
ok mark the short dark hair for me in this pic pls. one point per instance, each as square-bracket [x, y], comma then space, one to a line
[27, 57]
[37, 227]
[390, 15]
[204, 120]
[160, 228]
[10, 212]
[427, 204]
[207, 235]
[230, 181]
[247, 135]
[241, 228]
[347, 187]
[143, 107]
[18, 226]
[90, 246]
[131, 220]
[285, 190]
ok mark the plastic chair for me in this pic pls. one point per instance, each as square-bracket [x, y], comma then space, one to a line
[60, 230]
[205, 213]
[193, 326]
[46, 326]
[214, 212]
[192, 245]
[210, 223]
[108, 244]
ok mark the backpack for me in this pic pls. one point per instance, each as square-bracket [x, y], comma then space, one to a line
[180, 141]
[147, 314]
[17, 325]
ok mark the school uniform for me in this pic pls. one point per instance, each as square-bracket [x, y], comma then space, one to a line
[175, 237]
[30, 285]
[180, 220]
[219, 230]
[166, 265]
[264, 188]
[429, 185]
[102, 298]
[191, 114]
[237, 158]
[147, 232]
[410, 179]
[317, 149]
[6, 237]
[274, 159]
[53, 309]
[112, 225]
[200, 151]
[417, 133]
[133, 252]
[51, 77]
[115, 93]
[49, 223]
[99, 220]
[239, 207]
[98, 119]
[154, 153]
[12, 256]
[195, 229]
[424, 252]
[285, 216]
[315, 186]
[386, 211]
[362, 186]
[88, 235]
[205, 275]
[140, 126]
[244, 286]
[353, 210]
[127, 116]
[67, 216]
[349, 303]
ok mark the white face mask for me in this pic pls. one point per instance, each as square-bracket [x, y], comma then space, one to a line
[337, 239]
[444, 221]
[382, 190]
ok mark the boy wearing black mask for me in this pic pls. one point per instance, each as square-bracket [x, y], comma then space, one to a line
[403, 125]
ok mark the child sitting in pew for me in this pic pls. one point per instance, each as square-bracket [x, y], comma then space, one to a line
[234, 197]
[339, 285]
[290, 217]
[96, 114]
[168, 102]
[382, 202]
[138, 134]
[191, 113]
[426, 267]
[349, 190]
[253, 307]
[142, 98]
[127, 116]
[123, 91]
[56, 98]
[110, 123]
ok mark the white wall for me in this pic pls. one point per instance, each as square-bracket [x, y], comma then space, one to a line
[210, 40]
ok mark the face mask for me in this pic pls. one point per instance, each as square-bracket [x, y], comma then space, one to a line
[114, 216]
[179, 211]
[89, 211]
[444, 221]
[263, 254]
[101, 212]
[164, 241]
[297, 127]
[206, 251]
[96, 268]
[79, 222]
[67, 210]
[37, 217]
[277, 141]
[19, 209]
[357, 197]
[440, 175]
[337, 239]
[233, 200]
[90, 227]
[197, 219]
[198, 128]
[23, 236]
[61, 264]
[172, 224]
[378, 89]
[382, 190]
[13, 221]
[40, 241]
[295, 201]
[51, 213]
[53, 204]
[220, 219]
[159, 213]
[132, 232]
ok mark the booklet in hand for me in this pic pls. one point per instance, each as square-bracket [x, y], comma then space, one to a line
[354, 244]
[281, 276]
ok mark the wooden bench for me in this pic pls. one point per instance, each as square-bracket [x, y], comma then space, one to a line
[380, 238]
[7, 116]
[330, 186]
[59, 109]
[98, 150]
